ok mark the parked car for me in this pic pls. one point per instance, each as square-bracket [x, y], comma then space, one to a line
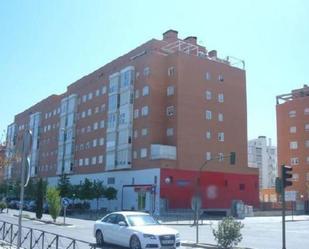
[135, 230]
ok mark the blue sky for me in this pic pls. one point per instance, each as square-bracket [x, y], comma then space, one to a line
[47, 45]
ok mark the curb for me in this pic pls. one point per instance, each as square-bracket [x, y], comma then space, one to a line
[46, 221]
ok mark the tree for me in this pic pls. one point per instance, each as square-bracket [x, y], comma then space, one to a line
[53, 200]
[110, 194]
[228, 233]
[39, 199]
[31, 189]
[99, 191]
[86, 190]
[64, 185]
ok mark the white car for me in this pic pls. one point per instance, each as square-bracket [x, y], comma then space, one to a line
[135, 230]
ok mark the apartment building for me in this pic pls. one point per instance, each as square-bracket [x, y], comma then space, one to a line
[293, 137]
[262, 155]
[145, 123]
[2, 162]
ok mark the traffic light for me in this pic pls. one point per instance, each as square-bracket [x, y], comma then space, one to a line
[287, 176]
[232, 158]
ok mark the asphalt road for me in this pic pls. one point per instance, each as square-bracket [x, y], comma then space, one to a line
[258, 232]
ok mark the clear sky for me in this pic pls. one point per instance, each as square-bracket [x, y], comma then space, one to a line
[47, 45]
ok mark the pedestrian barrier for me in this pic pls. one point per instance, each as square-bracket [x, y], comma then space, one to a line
[38, 239]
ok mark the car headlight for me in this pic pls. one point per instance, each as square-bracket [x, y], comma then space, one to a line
[177, 235]
[149, 236]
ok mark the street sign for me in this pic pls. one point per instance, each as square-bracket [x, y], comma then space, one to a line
[65, 202]
[290, 195]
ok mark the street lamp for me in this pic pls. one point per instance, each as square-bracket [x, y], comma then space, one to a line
[26, 147]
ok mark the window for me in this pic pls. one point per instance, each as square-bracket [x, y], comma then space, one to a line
[94, 160]
[221, 136]
[170, 111]
[86, 161]
[146, 71]
[90, 96]
[101, 141]
[169, 132]
[95, 126]
[145, 91]
[293, 129]
[220, 97]
[83, 130]
[81, 161]
[306, 111]
[111, 140]
[306, 127]
[94, 143]
[134, 154]
[143, 152]
[100, 159]
[96, 109]
[295, 177]
[294, 161]
[293, 145]
[102, 108]
[102, 124]
[208, 115]
[220, 157]
[207, 76]
[307, 177]
[84, 98]
[97, 92]
[145, 110]
[307, 159]
[111, 180]
[170, 90]
[88, 128]
[144, 132]
[112, 103]
[89, 112]
[307, 143]
[208, 95]
[221, 78]
[103, 90]
[135, 133]
[136, 93]
[112, 121]
[220, 117]
[292, 114]
[136, 113]
[171, 71]
[208, 156]
[208, 135]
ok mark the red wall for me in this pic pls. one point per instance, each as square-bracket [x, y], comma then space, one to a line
[217, 189]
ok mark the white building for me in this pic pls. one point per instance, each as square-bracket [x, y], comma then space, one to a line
[263, 156]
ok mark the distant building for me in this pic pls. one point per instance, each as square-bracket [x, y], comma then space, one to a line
[263, 155]
[293, 138]
[145, 123]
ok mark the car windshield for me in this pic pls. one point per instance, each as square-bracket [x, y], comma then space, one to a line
[141, 220]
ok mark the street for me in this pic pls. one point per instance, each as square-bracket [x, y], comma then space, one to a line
[258, 232]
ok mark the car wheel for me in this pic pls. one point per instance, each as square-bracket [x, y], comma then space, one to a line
[99, 238]
[135, 243]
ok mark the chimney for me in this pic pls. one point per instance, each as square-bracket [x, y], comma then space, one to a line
[170, 35]
[191, 40]
[212, 54]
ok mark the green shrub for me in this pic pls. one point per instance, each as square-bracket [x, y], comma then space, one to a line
[2, 206]
[54, 204]
[228, 233]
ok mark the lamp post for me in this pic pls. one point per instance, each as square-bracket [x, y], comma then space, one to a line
[197, 198]
[25, 150]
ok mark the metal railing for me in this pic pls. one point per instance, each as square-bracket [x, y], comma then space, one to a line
[38, 239]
